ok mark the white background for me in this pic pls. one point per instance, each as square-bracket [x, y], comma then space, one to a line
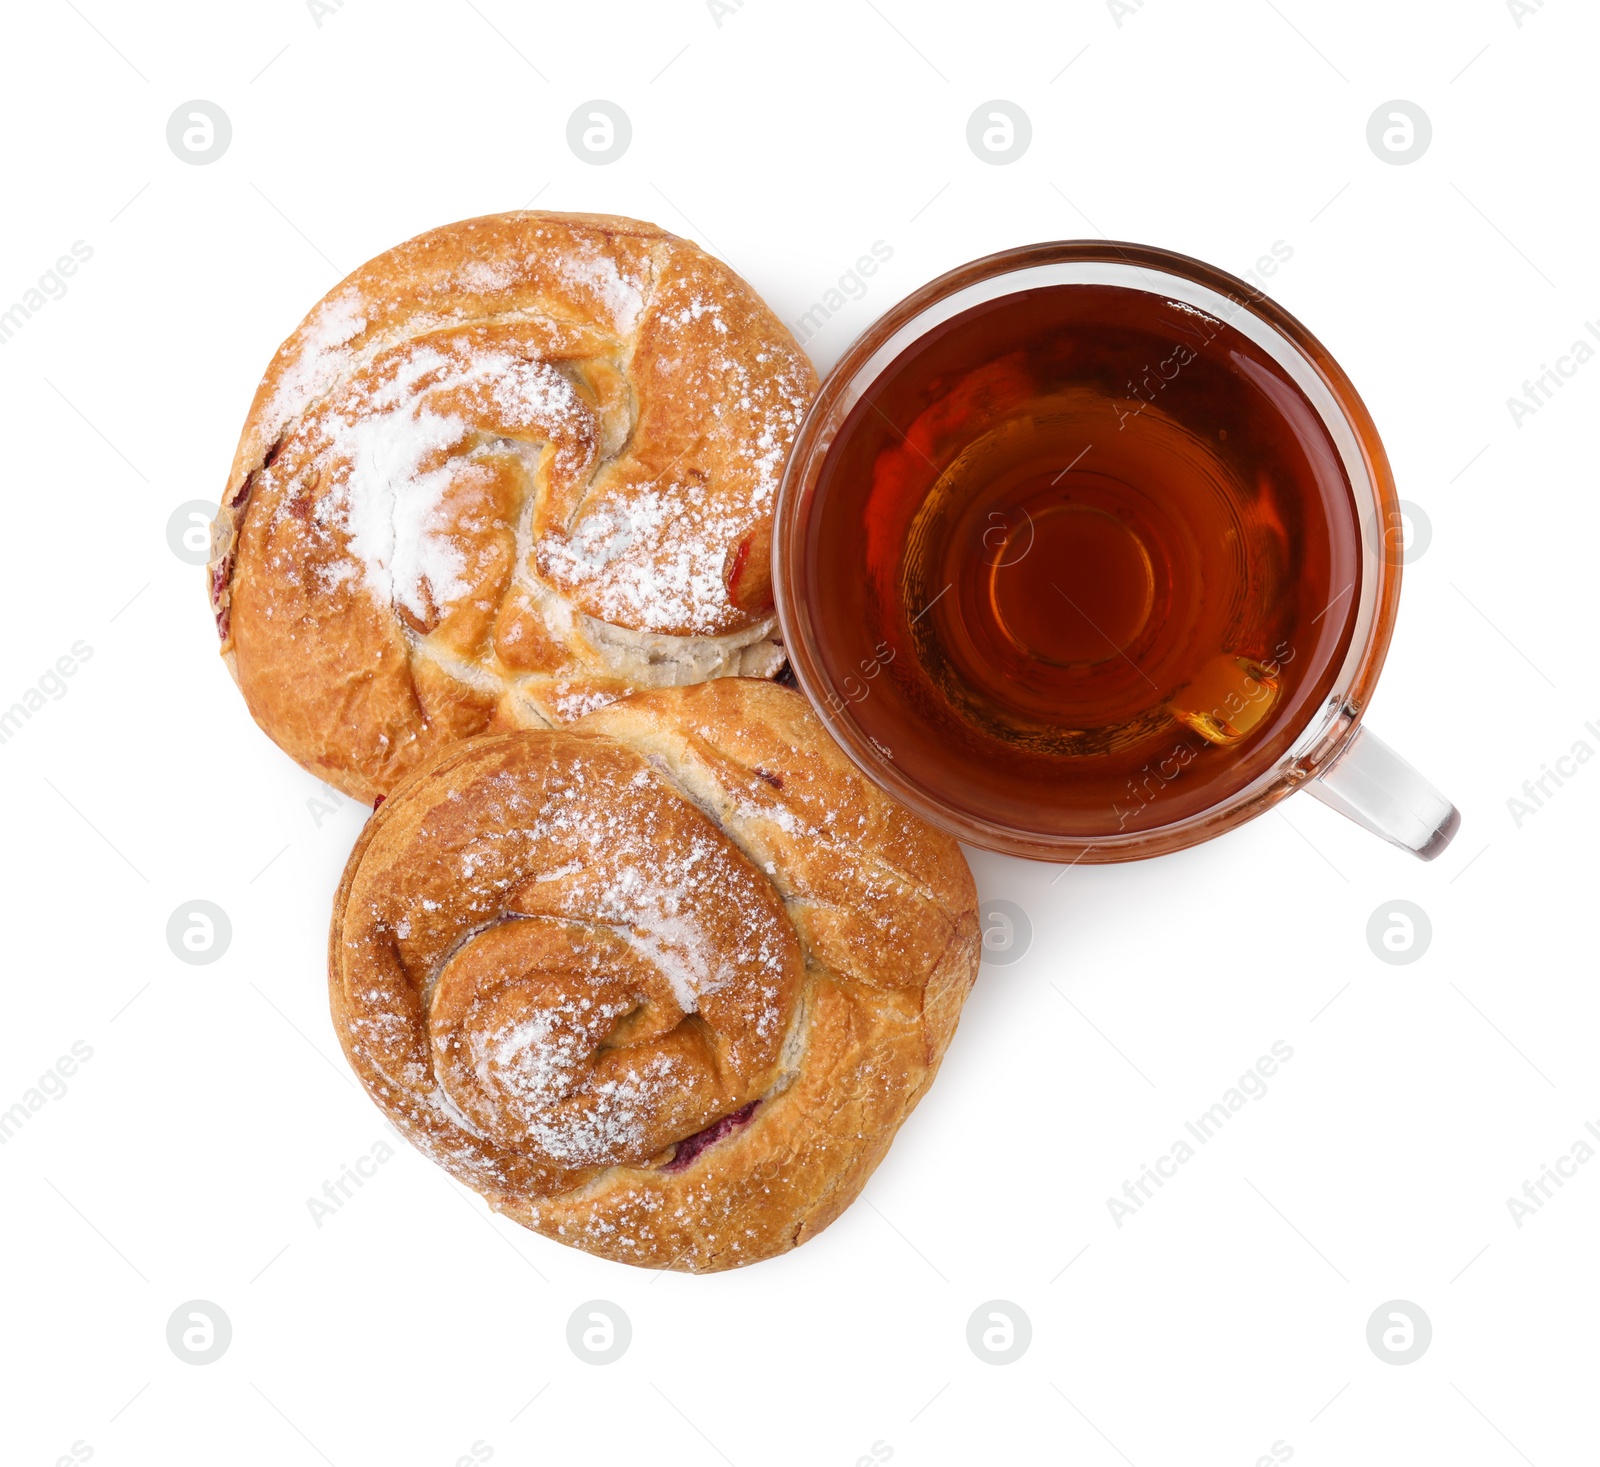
[1230, 1313]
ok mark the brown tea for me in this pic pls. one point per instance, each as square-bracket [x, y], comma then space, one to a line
[1084, 559]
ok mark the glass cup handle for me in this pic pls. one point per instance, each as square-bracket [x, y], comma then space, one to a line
[1376, 788]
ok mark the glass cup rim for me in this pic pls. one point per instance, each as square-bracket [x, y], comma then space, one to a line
[1191, 282]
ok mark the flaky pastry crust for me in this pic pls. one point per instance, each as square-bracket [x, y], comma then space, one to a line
[503, 474]
[661, 985]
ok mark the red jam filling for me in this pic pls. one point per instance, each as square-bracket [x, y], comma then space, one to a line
[691, 1146]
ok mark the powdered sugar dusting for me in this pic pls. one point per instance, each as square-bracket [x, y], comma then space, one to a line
[623, 297]
[388, 452]
[488, 275]
[623, 999]
[658, 554]
[573, 704]
[679, 584]
[323, 357]
[391, 509]
[597, 895]
[619, 428]
[535, 1064]
[661, 899]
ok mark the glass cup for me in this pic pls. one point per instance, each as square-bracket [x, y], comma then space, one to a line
[1332, 756]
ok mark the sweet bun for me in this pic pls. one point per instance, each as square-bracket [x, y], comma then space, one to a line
[661, 985]
[503, 474]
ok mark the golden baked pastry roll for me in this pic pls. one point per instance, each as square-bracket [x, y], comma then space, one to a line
[661, 985]
[503, 474]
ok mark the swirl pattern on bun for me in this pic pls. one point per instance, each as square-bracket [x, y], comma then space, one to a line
[505, 473]
[662, 984]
